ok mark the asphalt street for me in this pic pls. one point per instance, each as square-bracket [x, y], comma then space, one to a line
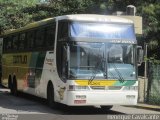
[27, 107]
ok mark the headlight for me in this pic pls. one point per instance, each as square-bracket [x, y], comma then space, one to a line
[135, 88]
[77, 88]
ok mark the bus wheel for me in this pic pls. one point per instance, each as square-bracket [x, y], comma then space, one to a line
[10, 84]
[50, 96]
[14, 87]
[106, 108]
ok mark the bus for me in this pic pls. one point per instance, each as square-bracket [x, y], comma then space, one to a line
[76, 60]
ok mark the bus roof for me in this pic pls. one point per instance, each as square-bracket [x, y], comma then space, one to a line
[74, 17]
[95, 18]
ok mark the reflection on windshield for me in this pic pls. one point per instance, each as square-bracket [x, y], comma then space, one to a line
[85, 59]
[119, 53]
[102, 30]
[102, 61]
[121, 62]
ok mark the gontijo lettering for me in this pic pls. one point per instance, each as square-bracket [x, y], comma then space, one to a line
[20, 59]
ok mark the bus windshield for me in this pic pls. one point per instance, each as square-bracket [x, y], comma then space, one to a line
[102, 60]
[102, 30]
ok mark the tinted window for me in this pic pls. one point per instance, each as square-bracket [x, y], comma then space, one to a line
[15, 42]
[8, 43]
[62, 30]
[30, 39]
[50, 36]
[39, 41]
[22, 41]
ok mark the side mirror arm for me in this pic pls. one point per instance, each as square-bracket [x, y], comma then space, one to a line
[140, 55]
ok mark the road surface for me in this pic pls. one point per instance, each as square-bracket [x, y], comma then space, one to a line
[26, 107]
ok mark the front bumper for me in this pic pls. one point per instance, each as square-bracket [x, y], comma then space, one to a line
[94, 98]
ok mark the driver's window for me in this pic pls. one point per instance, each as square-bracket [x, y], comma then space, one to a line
[62, 61]
[128, 55]
[115, 54]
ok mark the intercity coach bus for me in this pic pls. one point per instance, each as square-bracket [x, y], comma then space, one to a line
[77, 60]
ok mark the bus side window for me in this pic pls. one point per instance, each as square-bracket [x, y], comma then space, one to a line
[62, 30]
[15, 42]
[8, 41]
[50, 36]
[5, 44]
[22, 41]
[39, 41]
[30, 40]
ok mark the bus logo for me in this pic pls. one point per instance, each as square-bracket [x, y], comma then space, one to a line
[49, 61]
[19, 59]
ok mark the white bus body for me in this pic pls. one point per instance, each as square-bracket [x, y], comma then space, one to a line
[92, 61]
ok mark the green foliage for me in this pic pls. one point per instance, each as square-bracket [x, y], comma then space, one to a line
[11, 15]
[154, 99]
[151, 22]
[17, 13]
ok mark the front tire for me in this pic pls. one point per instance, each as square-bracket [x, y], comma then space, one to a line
[9, 82]
[106, 108]
[50, 96]
[14, 87]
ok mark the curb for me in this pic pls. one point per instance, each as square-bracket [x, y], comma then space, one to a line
[149, 107]
[146, 106]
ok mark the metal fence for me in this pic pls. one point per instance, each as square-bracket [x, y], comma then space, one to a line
[153, 89]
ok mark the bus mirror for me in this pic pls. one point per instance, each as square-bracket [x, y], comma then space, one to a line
[68, 53]
[140, 57]
[65, 62]
[68, 61]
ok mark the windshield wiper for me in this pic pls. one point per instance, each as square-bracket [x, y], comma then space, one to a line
[94, 73]
[96, 69]
[118, 73]
[105, 70]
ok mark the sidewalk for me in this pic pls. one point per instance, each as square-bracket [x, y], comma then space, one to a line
[148, 106]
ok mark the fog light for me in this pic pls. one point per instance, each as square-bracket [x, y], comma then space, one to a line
[77, 88]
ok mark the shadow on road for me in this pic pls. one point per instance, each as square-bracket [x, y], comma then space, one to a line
[67, 110]
[25, 102]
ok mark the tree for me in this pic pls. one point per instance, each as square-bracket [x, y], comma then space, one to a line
[17, 13]
[150, 11]
[11, 15]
